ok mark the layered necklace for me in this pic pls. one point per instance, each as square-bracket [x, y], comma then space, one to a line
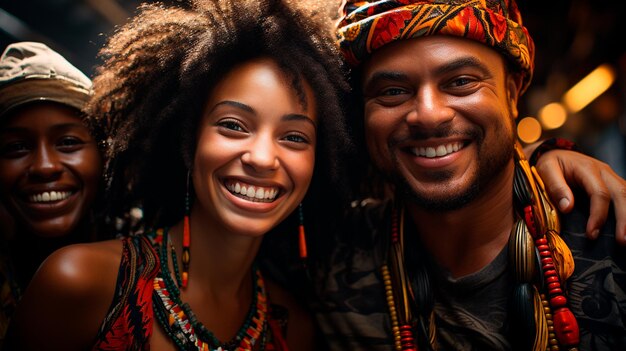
[181, 325]
[540, 263]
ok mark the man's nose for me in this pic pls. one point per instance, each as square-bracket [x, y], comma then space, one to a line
[431, 109]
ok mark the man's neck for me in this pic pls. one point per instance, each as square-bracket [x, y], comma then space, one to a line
[464, 241]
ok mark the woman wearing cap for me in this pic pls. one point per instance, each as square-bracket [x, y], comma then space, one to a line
[50, 166]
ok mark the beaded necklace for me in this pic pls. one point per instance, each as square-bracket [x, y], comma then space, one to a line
[180, 323]
[539, 259]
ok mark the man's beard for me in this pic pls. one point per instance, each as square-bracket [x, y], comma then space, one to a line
[489, 167]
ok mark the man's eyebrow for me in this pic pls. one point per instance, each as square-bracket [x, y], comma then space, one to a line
[463, 62]
[385, 75]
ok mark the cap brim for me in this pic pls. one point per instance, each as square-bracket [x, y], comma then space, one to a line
[32, 90]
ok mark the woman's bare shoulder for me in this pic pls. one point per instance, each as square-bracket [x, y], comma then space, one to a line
[81, 267]
[68, 297]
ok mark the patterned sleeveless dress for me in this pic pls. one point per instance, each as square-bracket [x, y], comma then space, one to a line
[129, 321]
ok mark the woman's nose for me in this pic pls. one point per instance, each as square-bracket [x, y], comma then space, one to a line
[262, 155]
[45, 162]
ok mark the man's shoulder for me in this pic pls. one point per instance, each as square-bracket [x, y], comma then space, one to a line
[573, 228]
[597, 289]
[366, 219]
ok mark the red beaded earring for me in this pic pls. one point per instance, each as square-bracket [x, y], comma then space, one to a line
[301, 234]
[186, 258]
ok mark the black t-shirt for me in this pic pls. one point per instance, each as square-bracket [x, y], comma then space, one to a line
[471, 312]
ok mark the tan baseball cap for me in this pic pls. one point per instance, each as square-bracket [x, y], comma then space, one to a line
[31, 71]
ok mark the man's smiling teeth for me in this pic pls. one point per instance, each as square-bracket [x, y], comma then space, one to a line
[438, 151]
[253, 192]
[50, 196]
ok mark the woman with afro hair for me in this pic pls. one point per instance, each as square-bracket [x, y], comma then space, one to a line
[214, 115]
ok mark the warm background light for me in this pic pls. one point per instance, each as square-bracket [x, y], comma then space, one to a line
[589, 88]
[552, 115]
[529, 130]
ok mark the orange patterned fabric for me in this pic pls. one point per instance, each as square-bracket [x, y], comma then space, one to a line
[128, 324]
[368, 26]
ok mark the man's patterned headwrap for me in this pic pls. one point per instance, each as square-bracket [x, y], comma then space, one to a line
[367, 26]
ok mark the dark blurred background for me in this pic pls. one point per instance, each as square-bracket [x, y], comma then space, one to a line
[575, 39]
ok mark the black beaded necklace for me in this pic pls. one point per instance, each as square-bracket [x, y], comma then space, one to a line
[180, 323]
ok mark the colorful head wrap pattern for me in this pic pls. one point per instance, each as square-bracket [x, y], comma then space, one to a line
[367, 26]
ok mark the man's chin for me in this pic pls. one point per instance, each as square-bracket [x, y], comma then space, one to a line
[441, 202]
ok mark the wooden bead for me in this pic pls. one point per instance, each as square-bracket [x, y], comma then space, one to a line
[566, 327]
[552, 279]
[556, 291]
[558, 301]
[549, 273]
[543, 248]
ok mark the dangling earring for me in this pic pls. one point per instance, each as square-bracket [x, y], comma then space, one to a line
[186, 258]
[301, 234]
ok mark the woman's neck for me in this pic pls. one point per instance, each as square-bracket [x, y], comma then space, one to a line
[220, 262]
[220, 286]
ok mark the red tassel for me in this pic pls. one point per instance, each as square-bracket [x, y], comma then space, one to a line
[186, 253]
[302, 242]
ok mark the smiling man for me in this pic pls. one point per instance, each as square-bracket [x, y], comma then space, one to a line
[470, 254]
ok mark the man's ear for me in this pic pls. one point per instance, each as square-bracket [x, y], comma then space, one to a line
[513, 84]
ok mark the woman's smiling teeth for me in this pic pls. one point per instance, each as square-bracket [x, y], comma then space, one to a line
[252, 192]
[50, 196]
[437, 151]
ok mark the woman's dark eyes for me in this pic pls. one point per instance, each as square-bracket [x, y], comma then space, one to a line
[69, 143]
[232, 125]
[14, 149]
[296, 138]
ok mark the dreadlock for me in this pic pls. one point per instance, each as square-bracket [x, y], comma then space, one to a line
[156, 75]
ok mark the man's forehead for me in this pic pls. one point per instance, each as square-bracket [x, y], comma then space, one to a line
[435, 53]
